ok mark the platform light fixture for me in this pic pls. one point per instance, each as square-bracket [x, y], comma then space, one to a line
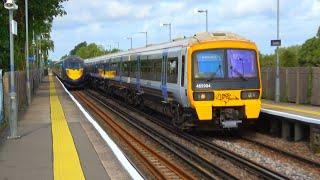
[13, 115]
[277, 99]
[130, 38]
[146, 34]
[27, 54]
[203, 11]
[169, 26]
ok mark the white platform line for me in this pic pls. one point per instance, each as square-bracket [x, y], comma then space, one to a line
[115, 149]
[292, 116]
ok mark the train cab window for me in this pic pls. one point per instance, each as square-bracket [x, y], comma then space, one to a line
[208, 65]
[242, 63]
[172, 70]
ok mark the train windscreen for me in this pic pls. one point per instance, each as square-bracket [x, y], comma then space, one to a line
[224, 64]
[209, 64]
[73, 64]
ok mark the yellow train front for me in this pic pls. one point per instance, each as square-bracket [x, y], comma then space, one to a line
[225, 83]
[71, 71]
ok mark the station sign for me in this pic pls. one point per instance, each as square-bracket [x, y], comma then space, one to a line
[276, 42]
[14, 27]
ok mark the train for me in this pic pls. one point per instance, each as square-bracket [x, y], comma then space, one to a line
[209, 81]
[70, 71]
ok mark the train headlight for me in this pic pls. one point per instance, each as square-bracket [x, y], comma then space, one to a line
[250, 94]
[203, 96]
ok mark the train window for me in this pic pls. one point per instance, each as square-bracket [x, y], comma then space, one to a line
[125, 69]
[172, 70]
[133, 68]
[146, 69]
[157, 63]
[208, 64]
[241, 63]
[182, 70]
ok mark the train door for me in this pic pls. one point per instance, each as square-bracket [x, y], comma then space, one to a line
[138, 75]
[183, 77]
[164, 76]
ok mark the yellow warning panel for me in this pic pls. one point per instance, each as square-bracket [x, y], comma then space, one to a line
[66, 163]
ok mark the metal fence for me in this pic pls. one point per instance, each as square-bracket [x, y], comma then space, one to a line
[299, 85]
[20, 84]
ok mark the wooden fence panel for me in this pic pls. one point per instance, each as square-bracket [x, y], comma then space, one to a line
[302, 85]
[292, 84]
[315, 95]
[283, 84]
[20, 85]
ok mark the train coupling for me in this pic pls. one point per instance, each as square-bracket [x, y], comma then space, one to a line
[229, 124]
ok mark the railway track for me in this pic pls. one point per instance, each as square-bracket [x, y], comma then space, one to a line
[285, 153]
[159, 166]
[240, 161]
[204, 167]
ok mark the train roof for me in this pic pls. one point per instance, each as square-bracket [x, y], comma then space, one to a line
[179, 42]
[68, 58]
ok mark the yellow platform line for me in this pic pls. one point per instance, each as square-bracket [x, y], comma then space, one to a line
[291, 109]
[66, 163]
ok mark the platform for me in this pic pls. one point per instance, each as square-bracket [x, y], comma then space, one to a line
[304, 113]
[294, 121]
[57, 142]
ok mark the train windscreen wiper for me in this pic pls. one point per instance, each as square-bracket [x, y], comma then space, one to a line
[239, 74]
[214, 75]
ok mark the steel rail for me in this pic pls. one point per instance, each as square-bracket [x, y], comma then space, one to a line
[248, 164]
[286, 153]
[208, 169]
[121, 132]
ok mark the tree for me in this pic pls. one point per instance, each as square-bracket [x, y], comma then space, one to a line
[77, 47]
[267, 60]
[288, 59]
[92, 50]
[318, 34]
[309, 54]
[41, 15]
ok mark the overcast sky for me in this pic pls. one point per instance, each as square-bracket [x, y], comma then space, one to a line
[109, 21]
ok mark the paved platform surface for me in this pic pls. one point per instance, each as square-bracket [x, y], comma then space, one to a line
[32, 156]
[308, 111]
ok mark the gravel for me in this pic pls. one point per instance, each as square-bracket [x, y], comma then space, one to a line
[270, 159]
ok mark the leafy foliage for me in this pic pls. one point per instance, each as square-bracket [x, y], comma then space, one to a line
[92, 50]
[85, 50]
[77, 47]
[41, 15]
[288, 57]
[310, 53]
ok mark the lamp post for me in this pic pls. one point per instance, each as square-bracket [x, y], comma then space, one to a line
[204, 11]
[27, 53]
[169, 26]
[40, 57]
[146, 33]
[33, 50]
[11, 6]
[118, 45]
[277, 61]
[130, 41]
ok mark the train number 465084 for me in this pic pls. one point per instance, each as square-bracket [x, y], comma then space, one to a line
[203, 85]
